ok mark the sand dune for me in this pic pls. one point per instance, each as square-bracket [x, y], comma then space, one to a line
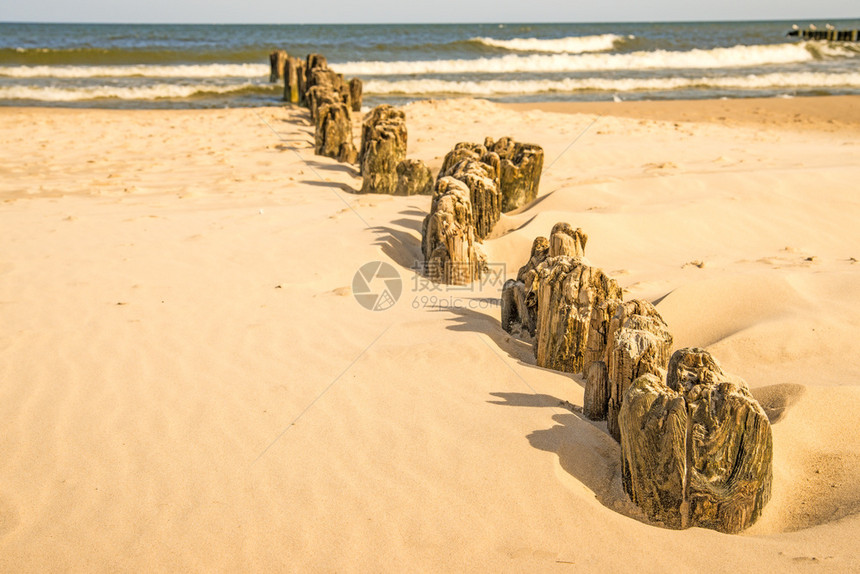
[188, 383]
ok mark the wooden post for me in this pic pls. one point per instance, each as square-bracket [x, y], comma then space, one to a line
[277, 59]
[355, 89]
[333, 136]
[291, 80]
[301, 71]
[452, 254]
[315, 61]
[383, 147]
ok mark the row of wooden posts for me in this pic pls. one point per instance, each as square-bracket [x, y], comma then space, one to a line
[827, 35]
[476, 184]
[331, 100]
[696, 447]
[513, 168]
[298, 77]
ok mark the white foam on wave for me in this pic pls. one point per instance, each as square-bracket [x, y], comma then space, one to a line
[154, 92]
[502, 87]
[143, 71]
[734, 57]
[569, 45]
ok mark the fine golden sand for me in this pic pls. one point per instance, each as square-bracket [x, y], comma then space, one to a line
[187, 383]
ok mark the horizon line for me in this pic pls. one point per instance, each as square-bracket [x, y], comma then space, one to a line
[583, 22]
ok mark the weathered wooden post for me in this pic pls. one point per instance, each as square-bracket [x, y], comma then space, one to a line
[413, 178]
[292, 69]
[639, 343]
[451, 251]
[565, 240]
[302, 72]
[461, 151]
[481, 178]
[355, 89]
[315, 61]
[318, 96]
[696, 450]
[520, 171]
[567, 290]
[383, 147]
[519, 304]
[277, 60]
[333, 136]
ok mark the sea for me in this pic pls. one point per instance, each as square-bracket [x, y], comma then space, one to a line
[205, 66]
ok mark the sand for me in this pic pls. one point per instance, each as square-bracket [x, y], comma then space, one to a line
[830, 113]
[188, 384]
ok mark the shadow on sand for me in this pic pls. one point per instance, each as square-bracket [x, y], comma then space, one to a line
[335, 185]
[401, 246]
[401, 239]
[584, 448]
[468, 320]
[320, 166]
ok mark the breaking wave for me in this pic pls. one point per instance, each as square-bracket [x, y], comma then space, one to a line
[141, 71]
[152, 92]
[502, 87]
[569, 45]
[734, 57]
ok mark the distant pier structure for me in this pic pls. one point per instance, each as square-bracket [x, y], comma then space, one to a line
[829, 34]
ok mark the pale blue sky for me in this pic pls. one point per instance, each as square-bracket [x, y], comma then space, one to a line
[402, 11]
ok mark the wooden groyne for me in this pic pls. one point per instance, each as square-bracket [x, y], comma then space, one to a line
[828, 35]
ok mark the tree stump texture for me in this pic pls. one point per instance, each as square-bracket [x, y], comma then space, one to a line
[696, 450]
[452, 254]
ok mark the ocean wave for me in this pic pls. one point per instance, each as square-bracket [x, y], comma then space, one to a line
[735, 57]
[144, 71]
[111, 56]
[502, 87]
[152, 92]
[569, 45]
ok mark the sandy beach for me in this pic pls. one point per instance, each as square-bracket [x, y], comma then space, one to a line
[188, 383]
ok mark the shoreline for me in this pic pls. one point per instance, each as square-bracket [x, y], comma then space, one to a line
[816, 113]
[807, 113]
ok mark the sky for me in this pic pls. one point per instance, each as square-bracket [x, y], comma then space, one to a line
[409, 11]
